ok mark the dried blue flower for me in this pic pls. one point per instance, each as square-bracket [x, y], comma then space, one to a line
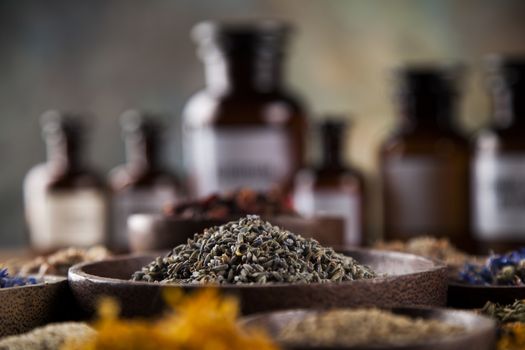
[507, 269]
[7, 281]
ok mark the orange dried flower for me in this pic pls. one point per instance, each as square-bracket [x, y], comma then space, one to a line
[202, 320]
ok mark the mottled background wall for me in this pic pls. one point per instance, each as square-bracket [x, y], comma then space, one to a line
[104, 56]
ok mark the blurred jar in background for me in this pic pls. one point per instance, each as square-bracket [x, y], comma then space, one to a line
[425, 162]
[332, 188]
[142, 184]
[65, 201]
[499, 164]
[245, 129]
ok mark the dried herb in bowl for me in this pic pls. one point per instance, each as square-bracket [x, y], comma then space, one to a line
[252, 251]
[363, 327]
[507, 269]
[430, 247]
[236, 203]
[511, 319]
[7, 281]
[514, 312]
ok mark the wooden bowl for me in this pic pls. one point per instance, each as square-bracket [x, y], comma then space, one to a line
[467, 296]
[480, 331]
[156, 232]
[26, 307]
[411, 280]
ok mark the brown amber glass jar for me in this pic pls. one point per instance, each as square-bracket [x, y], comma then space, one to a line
[142, 184]
[65, 200]
[245, 129]
[332, 188]
[498, 173]
[425, 162]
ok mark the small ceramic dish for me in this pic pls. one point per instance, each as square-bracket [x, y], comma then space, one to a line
[409, 280]
[480, 331]
[155, 232]
[26, 307]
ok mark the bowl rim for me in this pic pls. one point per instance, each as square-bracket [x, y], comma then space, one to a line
[77, 272]
[46, 280]
[460, 284]
[487, 325]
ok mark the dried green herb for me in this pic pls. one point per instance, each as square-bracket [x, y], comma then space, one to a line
[347, 328]
[514, 312]
[248, 251]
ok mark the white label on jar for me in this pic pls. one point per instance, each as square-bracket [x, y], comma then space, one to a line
[144, 201]
[333, 203]
[225, 159]
[423, 196]
[69, 218]
[499, 196]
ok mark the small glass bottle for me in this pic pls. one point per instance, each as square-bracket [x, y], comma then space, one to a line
[333, 188]
[425, 162]
[245, 129]
[142, 184]
[498, 191]
[65, 201]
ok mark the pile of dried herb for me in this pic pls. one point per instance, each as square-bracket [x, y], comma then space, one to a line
[52, 336]
[202, 320]
[363, 327]
[511, 319]
[514, 312]
[430, 247]
[507, 269]
[236, 203]
[251, 250]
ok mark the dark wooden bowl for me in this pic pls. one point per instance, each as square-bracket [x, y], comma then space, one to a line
[26, 307]
[156, 232]
[466, 296]
[480, 331]
[411, 280]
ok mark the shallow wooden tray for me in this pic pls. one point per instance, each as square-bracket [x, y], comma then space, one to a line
[411, 280]
[26, 307]
[480, 331]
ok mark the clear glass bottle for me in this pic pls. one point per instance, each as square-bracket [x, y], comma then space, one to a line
[65, 200]
[245, 129]
[425, 162]
[333, 188]
[498, 191]
[142, 184]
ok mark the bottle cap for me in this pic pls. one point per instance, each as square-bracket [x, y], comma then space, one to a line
[139, 123]
[506, 70]
[430, 79]
[56, 124]
[261, 36]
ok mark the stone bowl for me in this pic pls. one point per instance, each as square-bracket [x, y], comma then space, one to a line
[480, 331]
[26, 307]
[467, 296]
[410, 280]
[156, 232]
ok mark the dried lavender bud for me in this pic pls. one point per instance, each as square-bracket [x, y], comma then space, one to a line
[507, 269]
[7, 281]
[252, 251]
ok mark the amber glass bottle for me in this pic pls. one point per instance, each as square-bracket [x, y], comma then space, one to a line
[425, 162]
[499, 163]
[142, 185]
[245, 129]
[65, 201]
[332, 188]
